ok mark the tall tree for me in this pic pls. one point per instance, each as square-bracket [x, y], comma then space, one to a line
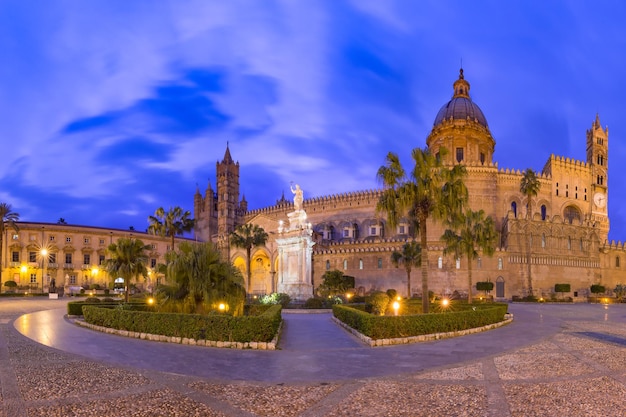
[472, 231]
[8, 218]
[127, 259]
[247, 236]
[204, 279]
[410, 256]
[171, 223]
[529, 187]
[431, 191]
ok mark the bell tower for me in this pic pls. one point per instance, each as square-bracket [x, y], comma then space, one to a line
[227, 194]
[598, 160]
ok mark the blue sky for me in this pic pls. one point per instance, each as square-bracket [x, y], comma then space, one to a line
[112, 108]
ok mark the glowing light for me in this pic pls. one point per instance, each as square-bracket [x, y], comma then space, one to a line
[398, 298]
[396, 307]
[221, 307]
[348, 296]
[24, 268]
[44, 252]
[445, 302]
[150, 301]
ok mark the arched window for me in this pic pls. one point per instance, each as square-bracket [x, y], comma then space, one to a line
[380, 263]
[617, 261]
[571, 213]
[479, 262]
[345, 264]
[360, 263]
[569, 243]
[543, 212]
[499, 263]
[458, 263]
[543, 240]
[514, 209]
[440, 262]
[327, 265]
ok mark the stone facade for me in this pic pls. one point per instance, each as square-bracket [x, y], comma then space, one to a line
[75, 255]
[567, 232]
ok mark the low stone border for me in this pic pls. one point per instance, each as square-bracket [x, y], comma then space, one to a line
[181, 340]
[508, 318]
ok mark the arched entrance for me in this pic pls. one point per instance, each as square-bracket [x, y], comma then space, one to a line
[500, 287]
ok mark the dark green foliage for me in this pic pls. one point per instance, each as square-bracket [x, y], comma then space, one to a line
[10, 284]
[598, 289]
[392, 293]
[335, 283]
[562, 287]
[92, 300]
[216, 327]
[484, 286]
[75, 308]
[385, 327]
[314, 302]
[377, 303]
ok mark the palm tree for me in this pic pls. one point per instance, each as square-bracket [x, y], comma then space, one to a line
[247, 236]
[433, 190]
[127, 260]
[8, 219]
[172, 223]
[204, 279]
[472, 231]
[529, 186]
[410, 256]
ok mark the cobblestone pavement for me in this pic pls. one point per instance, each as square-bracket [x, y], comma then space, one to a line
[578, 370]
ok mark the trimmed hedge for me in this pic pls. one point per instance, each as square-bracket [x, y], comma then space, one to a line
[75, 308]
[389, 327]
[214, 327]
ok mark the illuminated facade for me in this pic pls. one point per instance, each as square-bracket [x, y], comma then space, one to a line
[567, 234]
[71, 255]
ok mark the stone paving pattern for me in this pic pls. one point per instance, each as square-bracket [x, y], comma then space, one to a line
[580, 370]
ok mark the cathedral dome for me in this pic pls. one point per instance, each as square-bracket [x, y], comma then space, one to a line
[461, 107]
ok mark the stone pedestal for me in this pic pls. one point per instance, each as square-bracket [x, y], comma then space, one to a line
[295, 249]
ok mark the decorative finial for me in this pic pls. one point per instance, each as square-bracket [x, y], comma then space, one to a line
[461, 74]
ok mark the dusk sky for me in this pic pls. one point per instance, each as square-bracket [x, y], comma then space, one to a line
[112, 108]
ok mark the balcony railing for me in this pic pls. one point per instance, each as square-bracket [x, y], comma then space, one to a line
[68, 266]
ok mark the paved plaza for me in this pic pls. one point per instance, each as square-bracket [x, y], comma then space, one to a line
[553, 360]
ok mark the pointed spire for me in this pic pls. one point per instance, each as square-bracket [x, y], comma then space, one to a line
[208, 186]
[597, 122]
[227, 158]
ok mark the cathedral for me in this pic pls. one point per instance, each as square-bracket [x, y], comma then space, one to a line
[565, 241]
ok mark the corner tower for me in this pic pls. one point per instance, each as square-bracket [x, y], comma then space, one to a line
[227, 194]
[461, 128]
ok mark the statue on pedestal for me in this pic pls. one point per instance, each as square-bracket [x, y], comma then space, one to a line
[298, 197]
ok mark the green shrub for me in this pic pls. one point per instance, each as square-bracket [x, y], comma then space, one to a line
[562, 287]
[384, 327]
[598, 289]
[92, 300]
[216, 327]
[392, 293]
[484, 286]
[314, 302]
[378, 302]
[275, 298]
[10, 284]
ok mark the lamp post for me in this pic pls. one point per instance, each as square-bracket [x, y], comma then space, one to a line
[44, 255]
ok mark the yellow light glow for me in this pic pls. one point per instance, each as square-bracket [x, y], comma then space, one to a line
[24, 268]
[44, 252]
[445, 302]
[398, 298]
[221, 306]
[396, 307]
[94, 271]
[348, 296]
[150, 301]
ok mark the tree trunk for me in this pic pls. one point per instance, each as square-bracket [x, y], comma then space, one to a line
[248, 253]
[408, 283]
[424, 243]
[469, 279]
